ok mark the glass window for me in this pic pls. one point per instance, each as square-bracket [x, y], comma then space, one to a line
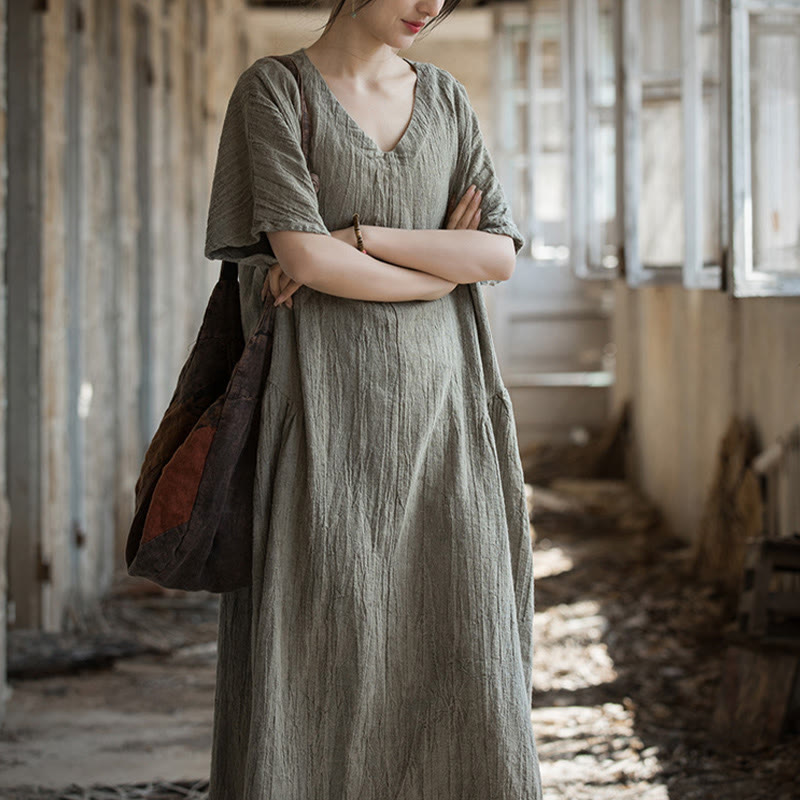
[654, 192]
[512, 113]
[550, 135]
[533, 125]
[595, 237]
[765, 42]
[705, 140]
[775, 140]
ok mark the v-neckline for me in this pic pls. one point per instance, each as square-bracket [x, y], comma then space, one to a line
[408, 134]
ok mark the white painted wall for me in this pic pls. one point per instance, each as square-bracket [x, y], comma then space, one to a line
[689, 360]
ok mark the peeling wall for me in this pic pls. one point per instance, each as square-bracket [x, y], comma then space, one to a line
[134, 93]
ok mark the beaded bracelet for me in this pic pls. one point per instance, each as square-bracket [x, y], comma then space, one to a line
[357, 229]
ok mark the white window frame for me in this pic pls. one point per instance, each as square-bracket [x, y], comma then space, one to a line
[508, 159]
[636, 273]
[745, 279]
[583, 21]
[697, 274]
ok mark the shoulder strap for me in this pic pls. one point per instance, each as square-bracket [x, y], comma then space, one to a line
[305, 122]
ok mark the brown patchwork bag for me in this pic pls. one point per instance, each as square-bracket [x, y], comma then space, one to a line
[192, 528]
[193, 522]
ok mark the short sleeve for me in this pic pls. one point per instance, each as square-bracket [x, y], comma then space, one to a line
[475, 165]
[261, 181]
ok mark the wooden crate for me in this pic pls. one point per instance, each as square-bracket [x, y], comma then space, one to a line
[769, 604]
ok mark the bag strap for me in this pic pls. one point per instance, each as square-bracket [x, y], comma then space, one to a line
[230, 269]
[305, 120]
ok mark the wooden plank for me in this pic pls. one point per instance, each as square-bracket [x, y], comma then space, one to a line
[756, 695]
[24, 278]
[4, 511]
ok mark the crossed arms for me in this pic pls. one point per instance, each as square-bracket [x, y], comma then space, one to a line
[399, 264]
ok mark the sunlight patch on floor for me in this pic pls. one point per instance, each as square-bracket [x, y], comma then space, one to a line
[550, 561]
[591, 753]
[575, 655]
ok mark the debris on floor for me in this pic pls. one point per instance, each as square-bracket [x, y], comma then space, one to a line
[629, 650]
[628, 661]
[152, 790]
[589, 456]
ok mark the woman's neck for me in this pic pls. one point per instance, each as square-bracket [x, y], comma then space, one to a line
[346, 53]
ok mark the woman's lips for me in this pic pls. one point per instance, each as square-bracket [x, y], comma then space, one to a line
[412, 27]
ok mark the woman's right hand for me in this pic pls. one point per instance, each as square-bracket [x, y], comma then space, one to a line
[467, 212]
[276, 282]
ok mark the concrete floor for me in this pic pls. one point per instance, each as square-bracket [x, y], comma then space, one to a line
[146, 717]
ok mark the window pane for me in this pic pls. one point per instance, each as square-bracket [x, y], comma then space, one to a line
[661, 206]
[775, 141]
[712, 134]
[602, 157]
[550, 157]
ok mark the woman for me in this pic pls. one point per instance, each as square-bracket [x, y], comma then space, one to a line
[384, 649]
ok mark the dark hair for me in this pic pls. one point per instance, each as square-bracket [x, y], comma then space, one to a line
[447, 9]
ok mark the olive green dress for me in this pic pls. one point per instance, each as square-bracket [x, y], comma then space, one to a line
[384, 650]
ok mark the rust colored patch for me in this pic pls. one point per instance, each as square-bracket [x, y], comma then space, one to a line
[176, 491]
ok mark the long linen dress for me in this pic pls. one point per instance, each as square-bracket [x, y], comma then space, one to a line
[384, 649]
